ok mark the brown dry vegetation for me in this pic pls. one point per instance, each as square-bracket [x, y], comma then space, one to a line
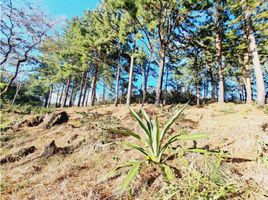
[237, 129]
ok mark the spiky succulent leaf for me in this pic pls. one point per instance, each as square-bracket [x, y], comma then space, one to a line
[167, 172]
[155, 137]
[131, 175]
[125, 132]
[134, 146]
[142, 125]
[147, 118]
[192, 136]
[171, 121]
[182, 137]
[116, 170]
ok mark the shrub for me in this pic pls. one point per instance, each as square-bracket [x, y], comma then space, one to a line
[155, 143]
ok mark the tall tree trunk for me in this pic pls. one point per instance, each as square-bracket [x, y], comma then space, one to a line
[247, 77]
[50, 96]
[160, 78]
[81, 88]
[212, 85]
[255, 58]
[84, 95]
[94, 85]
[145, 74]
[247, 83]
[65, 95]
[71, 103]
[118, 77]
[166, 84]
[196, 77]
[205, 90]
[129, 91]
[61, 95]
[74, 97]
[197, 92]
[57, 98]
[104, 92]
[244, 93]
[88, 92]
[85, 89]
[144, 86]
[16, 94]
[219, 36]
[46, 99]
[19, 62]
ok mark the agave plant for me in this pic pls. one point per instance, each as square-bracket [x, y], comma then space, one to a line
[155, 143]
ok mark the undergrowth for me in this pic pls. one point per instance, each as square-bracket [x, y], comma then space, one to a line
[265, 110]
[26, 109]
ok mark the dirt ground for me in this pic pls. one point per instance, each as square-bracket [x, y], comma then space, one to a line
[239, 130]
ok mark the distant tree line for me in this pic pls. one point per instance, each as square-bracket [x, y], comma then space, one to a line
[145, 51]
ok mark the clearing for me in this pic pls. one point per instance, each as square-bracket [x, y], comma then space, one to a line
[83, 151]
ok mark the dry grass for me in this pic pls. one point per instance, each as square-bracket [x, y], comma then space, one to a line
[233, 128]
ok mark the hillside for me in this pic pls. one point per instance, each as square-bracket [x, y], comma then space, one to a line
[86, 152]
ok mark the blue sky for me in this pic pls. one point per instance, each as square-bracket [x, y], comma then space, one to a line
[68, 8]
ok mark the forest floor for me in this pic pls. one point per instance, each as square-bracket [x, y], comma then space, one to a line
[240, 130]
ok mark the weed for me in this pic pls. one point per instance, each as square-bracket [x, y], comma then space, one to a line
[195, 184]
[154, 146]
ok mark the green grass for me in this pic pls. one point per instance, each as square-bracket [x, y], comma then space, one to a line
[265, 110]
[228, 110]
[26, 109]
[5, 121]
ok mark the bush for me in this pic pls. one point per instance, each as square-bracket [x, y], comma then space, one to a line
[155, 143]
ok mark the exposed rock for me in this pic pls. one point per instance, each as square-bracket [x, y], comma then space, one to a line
[17, 156]
[265, 127]
[5, 128]
[51, 149]
[36, 168]
[55, 119]
[36, 121]
[30, 122]
[74, 137]
[73, 126]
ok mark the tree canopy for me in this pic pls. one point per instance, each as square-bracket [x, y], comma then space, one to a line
[154, 51]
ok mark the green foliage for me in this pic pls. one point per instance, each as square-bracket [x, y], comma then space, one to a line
[198, 184]
[85, 117]
[265, 110]
[41, 110]
[5, 121]
[155, 143]
[21, 109]
[167, 173]
[228, 110]
[132, 173]
[27, 109]
[153, 138]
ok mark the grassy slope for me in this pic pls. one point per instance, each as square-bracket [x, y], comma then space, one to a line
[234, 128]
